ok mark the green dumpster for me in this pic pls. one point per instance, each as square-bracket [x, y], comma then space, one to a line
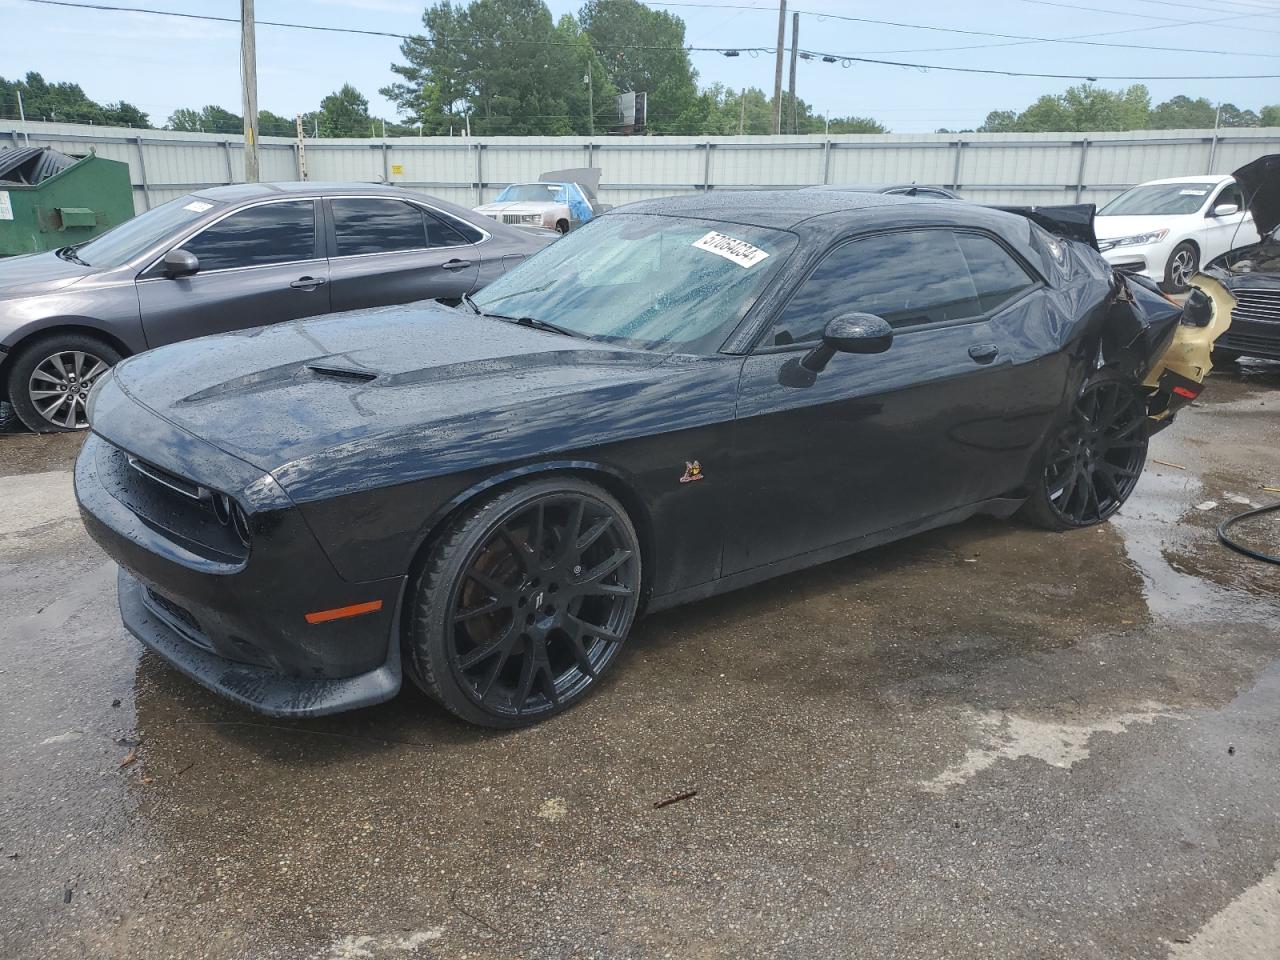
[50, 199]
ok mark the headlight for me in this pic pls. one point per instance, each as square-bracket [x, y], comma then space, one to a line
[1136, 240]
[530, 218]
[1198, 310]
[92, 400]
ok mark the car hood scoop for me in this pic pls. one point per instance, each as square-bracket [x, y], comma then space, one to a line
[274, 394]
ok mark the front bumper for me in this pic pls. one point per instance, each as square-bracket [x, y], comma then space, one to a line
[238, 625]
[1135, 260]
[258, 688]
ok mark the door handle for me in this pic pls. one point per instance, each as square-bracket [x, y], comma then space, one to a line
[455, 264]
[308, 283]
[984, 352]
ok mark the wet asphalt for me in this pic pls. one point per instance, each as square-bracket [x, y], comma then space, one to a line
[987, 741]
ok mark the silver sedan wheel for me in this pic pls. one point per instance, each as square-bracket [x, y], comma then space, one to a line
[59, 387]
[1182, 267]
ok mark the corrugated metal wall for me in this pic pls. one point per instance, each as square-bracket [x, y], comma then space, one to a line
[987, 167]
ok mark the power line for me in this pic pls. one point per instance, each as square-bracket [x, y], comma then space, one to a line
[843, 58]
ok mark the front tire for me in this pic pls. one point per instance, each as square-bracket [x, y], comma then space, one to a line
[525, 602]
[1091, 464]
[1183, 263]
[50, 380]
[562, 227]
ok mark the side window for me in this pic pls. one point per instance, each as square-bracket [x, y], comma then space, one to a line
[376, 225]
[268, 233]
[441, 232]
[1230, 194]
[996, 276]
[908, 278]
[468, 232]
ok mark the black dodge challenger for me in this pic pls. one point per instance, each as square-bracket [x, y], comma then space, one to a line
[683, 397]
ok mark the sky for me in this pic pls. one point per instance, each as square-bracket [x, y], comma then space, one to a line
[163, 63]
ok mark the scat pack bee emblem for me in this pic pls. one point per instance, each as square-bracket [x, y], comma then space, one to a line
[692, 471]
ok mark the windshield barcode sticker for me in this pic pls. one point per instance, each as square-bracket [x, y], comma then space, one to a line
[197, 206]
[737, 251]
[1193, 193]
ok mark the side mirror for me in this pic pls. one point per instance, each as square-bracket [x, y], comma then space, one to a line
[1226, 209]
[848, 333]
[858, 333]
[180, 263]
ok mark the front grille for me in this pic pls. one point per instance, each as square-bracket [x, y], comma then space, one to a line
[1246, 342]
[511, 218]
[1257, 306]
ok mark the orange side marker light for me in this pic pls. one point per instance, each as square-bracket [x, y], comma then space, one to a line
[339, 613]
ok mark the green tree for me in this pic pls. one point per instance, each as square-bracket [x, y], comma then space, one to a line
[209, 119]
[1085, 107]
[856, 125]
[273, 125]
[503, 66]
[1000, 121]
[67, 102]
[643, 49]
[1269, 116]
[344, 113]
[1183, 113]
[1229, 115]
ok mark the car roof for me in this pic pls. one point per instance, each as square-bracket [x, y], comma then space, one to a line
[875, 187]
[251, 191]
[1210, 178]
[780, 209]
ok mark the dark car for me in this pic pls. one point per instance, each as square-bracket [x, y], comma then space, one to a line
[683, 397]
[1246, 281]
[926, 191]
[223, 259]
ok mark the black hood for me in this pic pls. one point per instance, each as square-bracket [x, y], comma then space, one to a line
[1260, 181]
[1071, 221]
[272, 395]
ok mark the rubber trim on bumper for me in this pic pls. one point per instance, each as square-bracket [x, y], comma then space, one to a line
[257, 688]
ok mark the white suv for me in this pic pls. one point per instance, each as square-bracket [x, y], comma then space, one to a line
[1165, 229]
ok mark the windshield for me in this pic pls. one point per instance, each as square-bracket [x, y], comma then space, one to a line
[532, 192]
[120, 244]
[1156, 199]
[659, 283]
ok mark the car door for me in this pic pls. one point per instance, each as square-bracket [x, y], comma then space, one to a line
[257, 265]
[885, 440]
[386, 250]
[1226, 232]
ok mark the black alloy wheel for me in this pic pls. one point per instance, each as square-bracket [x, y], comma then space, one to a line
[50, 380]
[526, 603]
[1095, 459]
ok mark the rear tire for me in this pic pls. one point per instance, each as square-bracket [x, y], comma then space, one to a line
[1183, 263]
[524, 602]
[1092, 461]
[50, 379]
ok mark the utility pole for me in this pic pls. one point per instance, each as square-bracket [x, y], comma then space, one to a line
[22, 115]
[777, 68]
[742, 110]
[249, 89]
[302, 147]
[591, 104]
[795, 42]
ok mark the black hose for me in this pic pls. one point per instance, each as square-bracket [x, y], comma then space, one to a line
[1226, 524]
